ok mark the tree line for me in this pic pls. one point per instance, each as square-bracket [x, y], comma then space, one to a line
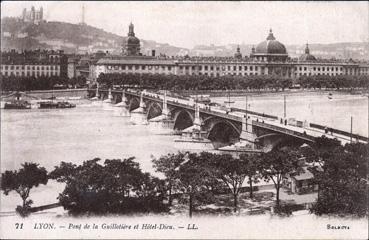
[185, 82]
[119, 186]
[202, 82]
[334, 82]
[23, 83]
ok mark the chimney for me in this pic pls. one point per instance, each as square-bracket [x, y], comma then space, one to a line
[153, 53]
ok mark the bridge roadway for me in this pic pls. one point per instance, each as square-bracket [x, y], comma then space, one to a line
[260, 120]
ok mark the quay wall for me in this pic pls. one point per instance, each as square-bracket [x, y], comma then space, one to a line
[80, 92]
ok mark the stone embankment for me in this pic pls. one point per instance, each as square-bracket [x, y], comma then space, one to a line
[77, 93]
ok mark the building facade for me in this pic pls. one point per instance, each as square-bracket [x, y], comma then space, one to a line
[33, 63]
[84, 66]
[269, 57]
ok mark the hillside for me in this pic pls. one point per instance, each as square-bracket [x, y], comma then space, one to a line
[69, 37]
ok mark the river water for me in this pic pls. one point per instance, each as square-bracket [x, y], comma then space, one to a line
[74, 135]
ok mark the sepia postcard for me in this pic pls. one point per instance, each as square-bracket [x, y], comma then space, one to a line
[184, 120]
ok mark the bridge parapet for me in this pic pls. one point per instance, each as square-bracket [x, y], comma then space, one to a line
[222, 115]
[254, 113]
[337, 131]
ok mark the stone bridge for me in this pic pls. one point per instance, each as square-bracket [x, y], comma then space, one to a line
[220, 125]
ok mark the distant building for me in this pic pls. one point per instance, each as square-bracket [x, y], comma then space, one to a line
[33, 16]
[33, 63]
[84, 65]
[307, 57]
[270, 57]
[302, 183]
[131, 47]
[238, 54]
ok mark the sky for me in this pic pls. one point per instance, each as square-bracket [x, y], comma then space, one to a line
[186, 24]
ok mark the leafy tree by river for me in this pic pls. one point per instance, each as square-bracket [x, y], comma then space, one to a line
[334, 82]
[168, 165]
[22, 181]
[117, 186]
[13, 83]
[232, 171]
[343, 180]
[276, 164]
[120, 186]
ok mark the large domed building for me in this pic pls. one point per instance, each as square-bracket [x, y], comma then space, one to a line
[270, 50]
[269, 58]
[131, 46]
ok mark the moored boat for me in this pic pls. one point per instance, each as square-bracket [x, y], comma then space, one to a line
[51, 104]
[17, 104]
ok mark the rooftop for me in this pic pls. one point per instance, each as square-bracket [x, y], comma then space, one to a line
[136, 61]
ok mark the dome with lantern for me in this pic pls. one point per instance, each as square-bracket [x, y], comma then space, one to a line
[238, 54]
[270, 50]
[131, 46]
[307, 57]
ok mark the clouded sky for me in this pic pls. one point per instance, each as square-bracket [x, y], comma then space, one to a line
[186, 24]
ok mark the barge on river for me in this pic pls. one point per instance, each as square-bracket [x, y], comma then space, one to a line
[17, 104]
[51, 104]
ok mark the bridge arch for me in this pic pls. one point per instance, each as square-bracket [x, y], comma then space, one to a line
[272, 141]
[154, 109]
[221, 131]
[182, 118]
[133, 103]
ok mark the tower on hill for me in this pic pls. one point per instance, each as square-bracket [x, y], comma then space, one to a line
[83, 15]
[33, 15]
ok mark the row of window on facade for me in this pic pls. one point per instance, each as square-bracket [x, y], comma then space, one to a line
[29, 74]
[322, 68]
[212, 74]
[22, 67]
[218, 68]
[318, 74]
[199, 68]
[137, 67]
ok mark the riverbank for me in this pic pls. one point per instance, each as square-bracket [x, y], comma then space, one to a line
[60, 93]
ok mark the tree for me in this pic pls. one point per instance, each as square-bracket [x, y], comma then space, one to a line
[117, 186]
[232, 171]
[276, 164]
[168, 166]
[194, 179]
[343, 183]
[322, 150]
[22, 181]
[251, 165]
